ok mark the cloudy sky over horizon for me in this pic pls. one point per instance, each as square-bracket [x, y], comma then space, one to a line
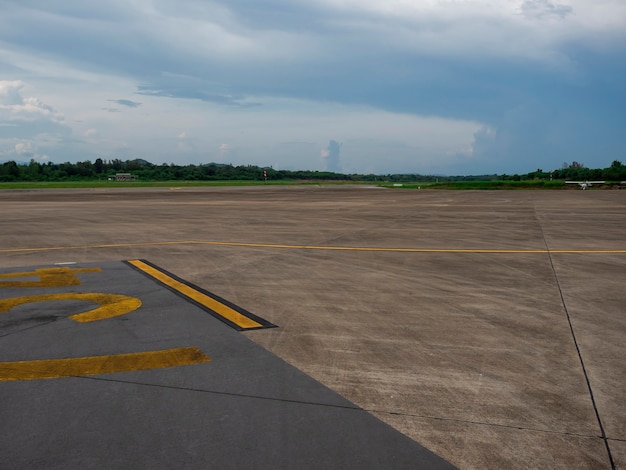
[400, 86]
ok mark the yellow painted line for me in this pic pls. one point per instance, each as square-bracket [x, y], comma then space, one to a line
[225, 311]
[309, 247]
[93, 365]
[83, 247]
[110, 305]
[401, 250]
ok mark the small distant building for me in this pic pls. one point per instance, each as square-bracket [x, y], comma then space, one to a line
[123, 177]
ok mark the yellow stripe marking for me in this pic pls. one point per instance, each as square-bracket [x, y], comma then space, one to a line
[83, 247]
[225, 311]
[306, 247]
[400, 250]
[93, 365]
[110, 305]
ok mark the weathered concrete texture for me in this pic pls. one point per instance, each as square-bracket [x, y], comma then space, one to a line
[455, 342]
[471, 354]
[480, 446]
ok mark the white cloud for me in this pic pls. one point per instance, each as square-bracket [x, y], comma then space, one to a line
[23, 148]
[10, 93]
[223, 150]
[27, 123]
[543, 9]
[22, 151]
[595, 12]
[14, 107]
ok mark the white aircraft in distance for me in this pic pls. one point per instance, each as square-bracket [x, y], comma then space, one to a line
[584, 184]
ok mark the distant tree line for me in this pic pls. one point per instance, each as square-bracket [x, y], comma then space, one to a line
[576, 171]
[146, 171]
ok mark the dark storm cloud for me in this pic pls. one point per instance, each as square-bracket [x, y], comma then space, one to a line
[128, 103]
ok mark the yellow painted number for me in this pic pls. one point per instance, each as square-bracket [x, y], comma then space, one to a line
[108, 306]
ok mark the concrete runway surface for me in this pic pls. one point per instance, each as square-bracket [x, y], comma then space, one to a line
[487, 326]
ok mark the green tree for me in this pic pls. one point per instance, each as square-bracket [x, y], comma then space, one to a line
[10, 171]
[34, 170]
[616, 172]
[98, 166]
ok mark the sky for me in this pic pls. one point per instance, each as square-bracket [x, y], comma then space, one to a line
[450, 87]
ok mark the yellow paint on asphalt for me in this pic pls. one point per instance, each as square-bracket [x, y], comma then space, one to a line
[312, 247]
[225, 311]
[110, 305]
[83, 247]
[48, 277]
[93, 365]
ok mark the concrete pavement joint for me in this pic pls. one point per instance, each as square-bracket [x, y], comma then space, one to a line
[580, 357]
[215, 392]
[482, 423]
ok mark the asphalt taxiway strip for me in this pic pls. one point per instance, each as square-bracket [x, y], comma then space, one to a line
[136, 388]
